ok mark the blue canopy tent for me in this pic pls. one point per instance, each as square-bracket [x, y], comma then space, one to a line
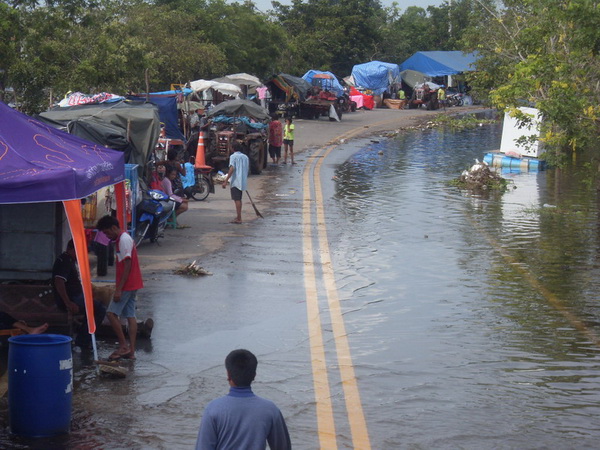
[439, 63]
[339, 90]
[376, 75]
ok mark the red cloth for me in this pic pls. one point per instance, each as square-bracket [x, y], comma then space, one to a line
[275, 133]
[368, 101]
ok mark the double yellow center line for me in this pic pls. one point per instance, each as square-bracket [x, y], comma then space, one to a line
[319, 264]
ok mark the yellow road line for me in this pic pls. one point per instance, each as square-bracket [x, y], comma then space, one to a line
[356, 418]
[550, 297]
[325, 421]
[325, 418]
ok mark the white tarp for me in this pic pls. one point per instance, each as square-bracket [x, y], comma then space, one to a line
[240, 79]
[224, 88]
[412, 77]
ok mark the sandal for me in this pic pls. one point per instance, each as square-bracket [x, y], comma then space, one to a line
[130, 355]
[117, 355]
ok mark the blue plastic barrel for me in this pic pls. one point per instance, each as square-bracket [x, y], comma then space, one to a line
[40, 384]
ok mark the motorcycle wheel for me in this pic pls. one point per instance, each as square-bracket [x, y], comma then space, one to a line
[200, 190]
[140, 232]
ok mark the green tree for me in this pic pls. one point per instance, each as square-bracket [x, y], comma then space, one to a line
[107, 48]
[10, 30]
[331, 34]
[543, 53]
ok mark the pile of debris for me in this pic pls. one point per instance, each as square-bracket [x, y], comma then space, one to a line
[481, 177]
[191, 269]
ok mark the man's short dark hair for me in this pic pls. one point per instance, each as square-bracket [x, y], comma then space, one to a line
[238, 147]
[107, 222]
[241, 367]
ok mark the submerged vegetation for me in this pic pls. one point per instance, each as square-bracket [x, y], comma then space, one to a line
[462, 122]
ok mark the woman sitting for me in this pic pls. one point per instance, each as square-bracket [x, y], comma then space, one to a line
[181, 204]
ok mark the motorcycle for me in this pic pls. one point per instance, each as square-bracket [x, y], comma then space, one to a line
[455, 99]
[153, 213]
[204, 185]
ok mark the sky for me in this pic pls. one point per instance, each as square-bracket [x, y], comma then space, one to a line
[265, 5]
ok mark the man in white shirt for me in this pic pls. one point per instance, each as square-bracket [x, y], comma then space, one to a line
[239, 166]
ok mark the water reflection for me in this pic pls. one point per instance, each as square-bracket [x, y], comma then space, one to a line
[480, 312]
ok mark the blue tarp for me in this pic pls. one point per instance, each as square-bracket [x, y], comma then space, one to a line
[243, 119]
[339, 90]
[376, 75]
[439, 64]
[167, 110]
[184, 91]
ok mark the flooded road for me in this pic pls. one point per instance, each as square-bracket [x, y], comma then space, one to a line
[421, 317]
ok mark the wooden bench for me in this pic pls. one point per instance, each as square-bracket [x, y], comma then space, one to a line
[10, 332]
[35, 305]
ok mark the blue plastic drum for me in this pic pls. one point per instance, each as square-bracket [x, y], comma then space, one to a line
[40, 384]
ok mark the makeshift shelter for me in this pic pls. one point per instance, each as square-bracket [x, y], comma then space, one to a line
[42, 164]
[240, 107]
[214, 92]
[440, 63]
[335, 87]
[167, 110]
[376, 76]
[287, 88]
[413, 78]
[246, 82]
[130, 126]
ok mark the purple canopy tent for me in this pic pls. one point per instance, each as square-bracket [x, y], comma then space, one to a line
[39, 163]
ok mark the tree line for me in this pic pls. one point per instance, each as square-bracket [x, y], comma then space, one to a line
[533, 52]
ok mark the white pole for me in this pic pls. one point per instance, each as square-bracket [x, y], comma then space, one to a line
[95, 349]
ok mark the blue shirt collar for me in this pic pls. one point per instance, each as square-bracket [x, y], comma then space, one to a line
[241, 391]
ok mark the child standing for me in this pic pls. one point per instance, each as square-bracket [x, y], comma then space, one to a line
[288, 140]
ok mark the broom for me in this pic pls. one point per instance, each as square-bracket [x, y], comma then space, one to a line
[254, 206]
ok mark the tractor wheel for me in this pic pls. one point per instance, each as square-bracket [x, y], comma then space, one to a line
[256, 154]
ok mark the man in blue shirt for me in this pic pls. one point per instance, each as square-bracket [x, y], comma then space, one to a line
[239, 166]
[242, 420]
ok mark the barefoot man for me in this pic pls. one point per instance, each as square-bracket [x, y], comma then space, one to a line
[129, 280]
[239, 165]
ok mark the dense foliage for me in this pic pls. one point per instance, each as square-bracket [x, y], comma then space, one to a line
[536, 52]
[542, 53]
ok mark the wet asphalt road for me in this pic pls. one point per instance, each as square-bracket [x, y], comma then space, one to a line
[254, 299]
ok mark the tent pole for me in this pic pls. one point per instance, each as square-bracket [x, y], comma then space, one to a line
[95, 349]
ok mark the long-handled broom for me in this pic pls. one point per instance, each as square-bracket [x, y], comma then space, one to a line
[254, 206]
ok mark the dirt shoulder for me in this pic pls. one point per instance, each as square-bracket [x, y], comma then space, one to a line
[205, 226]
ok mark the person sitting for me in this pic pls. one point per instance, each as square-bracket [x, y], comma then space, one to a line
[189, 179]
[174, 162]
[181, 204]
[7, 322]
[68, 293]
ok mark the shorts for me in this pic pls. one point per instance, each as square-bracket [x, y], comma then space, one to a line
[275, 151]
[125, 307]
[236, 194]
[288, 142]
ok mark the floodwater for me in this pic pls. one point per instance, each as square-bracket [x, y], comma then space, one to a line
[472, 321]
